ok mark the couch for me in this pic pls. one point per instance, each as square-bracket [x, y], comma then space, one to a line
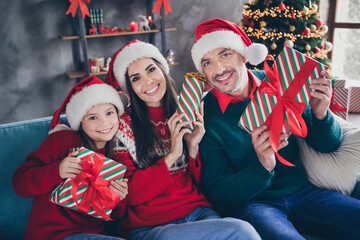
[17, 141]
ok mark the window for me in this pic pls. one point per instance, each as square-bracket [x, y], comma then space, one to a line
[344, 33]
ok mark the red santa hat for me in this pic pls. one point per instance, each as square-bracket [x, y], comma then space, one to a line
[129, 53]
[219, 33]
[82, 97]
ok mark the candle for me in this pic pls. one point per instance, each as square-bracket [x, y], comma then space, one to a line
[134, 26]
[149, 19]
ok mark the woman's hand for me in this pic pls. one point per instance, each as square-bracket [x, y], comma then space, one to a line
[193, 139]
[70, 166]
[120, 187]
[177, 131]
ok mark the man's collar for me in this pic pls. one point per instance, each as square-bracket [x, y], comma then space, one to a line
[225, 99]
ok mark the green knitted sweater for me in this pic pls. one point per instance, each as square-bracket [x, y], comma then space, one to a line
[232, 173]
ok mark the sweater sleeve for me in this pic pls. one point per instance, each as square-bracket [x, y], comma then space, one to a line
[146, 184]
[224, 187]
[40, 171]
[323, 135]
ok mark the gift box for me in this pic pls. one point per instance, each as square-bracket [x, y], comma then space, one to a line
[190, 97]
[282, 97]
[89, 191]
[354, 96]
[340, 99]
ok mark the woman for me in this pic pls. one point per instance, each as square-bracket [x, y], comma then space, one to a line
[164, 200]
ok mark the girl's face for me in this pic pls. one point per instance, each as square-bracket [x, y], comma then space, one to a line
[148, 81]
[101, 123]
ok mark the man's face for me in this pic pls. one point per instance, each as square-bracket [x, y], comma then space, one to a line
[225, 69]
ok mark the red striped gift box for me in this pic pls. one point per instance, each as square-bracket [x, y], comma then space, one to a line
[340, 100]
[108, 171]
[190, 97]
[289, 64]
[354, 100]
[282, 97]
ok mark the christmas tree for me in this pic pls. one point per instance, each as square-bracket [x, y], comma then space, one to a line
[293, 23]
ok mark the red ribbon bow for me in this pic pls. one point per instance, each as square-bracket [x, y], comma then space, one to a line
[83, 7]
[158, 4]
[286, 104]
[98, 194]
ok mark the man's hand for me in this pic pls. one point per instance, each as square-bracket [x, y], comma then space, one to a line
[321, 96]
[261, 142]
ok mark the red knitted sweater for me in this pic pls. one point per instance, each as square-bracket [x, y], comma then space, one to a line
[38, 177]
[156, 195]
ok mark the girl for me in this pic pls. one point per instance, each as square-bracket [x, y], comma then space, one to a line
[164, 200]
[92, 110]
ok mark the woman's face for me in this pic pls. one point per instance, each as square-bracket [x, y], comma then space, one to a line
[148, 81]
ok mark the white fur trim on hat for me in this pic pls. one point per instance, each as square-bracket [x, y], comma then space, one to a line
[88, 97]
[131, 53]
[226, 39]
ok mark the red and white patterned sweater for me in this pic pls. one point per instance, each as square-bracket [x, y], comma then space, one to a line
[157, 195]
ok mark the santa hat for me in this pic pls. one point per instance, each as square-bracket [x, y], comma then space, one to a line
[219, 33]
[82, 97]
[129, 53]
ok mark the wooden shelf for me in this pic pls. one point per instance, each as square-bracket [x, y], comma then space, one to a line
[82, 74]
[115, 34]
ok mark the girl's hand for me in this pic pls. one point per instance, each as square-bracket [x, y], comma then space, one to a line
[70, 166]
[120, 187]
[177, 131]
[193, 139]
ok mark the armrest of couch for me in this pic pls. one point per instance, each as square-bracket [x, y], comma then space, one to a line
[17, 140]
[339, 170]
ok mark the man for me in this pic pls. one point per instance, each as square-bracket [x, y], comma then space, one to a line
[241, 175]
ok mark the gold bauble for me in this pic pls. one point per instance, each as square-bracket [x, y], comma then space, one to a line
[315, 7]
[289, 43]
[325, 28]
[305, 11]
[312, 28]
[308, 47]
[262, 24]
[292, 28]
[273, 46]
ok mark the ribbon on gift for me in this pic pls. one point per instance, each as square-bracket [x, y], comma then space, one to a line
[83, 7]
[97, 195]
[159, 3]
[286, 103]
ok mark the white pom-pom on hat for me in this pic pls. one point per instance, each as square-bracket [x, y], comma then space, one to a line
[256, 53]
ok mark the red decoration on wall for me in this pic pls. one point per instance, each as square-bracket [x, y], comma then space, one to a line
[158, 4]
[83, 7]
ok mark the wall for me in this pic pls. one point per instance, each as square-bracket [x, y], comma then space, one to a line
[34, 59]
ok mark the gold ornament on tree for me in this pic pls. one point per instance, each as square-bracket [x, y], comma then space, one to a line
[308, 47]
[292, 28]
[262, 24]
[289, 43]
[328, 46]
[273, 46]
[312, 28]
[305, 11]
